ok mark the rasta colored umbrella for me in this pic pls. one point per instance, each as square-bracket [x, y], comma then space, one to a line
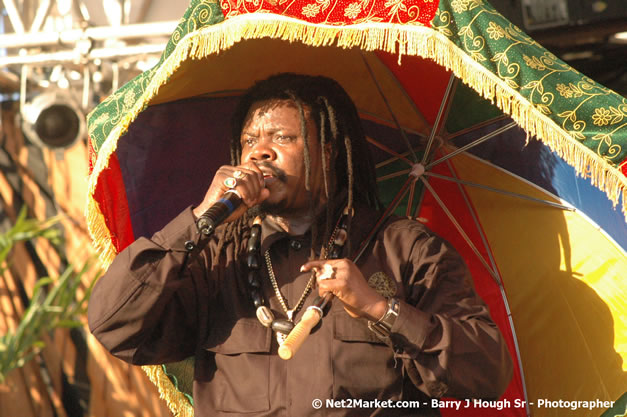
[497, 177]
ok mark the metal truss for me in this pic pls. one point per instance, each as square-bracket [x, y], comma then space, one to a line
[88, 47]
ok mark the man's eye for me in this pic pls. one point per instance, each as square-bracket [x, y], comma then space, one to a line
[284, 138]
[249, 141]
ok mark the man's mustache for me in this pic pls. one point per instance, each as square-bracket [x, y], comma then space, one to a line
[276, 171]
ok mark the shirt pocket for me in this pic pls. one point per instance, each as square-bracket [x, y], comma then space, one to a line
[363, 365]
[239, 383]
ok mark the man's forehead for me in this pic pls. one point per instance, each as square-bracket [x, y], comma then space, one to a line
[263, 107]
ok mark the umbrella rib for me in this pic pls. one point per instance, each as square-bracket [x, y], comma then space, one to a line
[475, 127]
[379, 119]
[410, 199]
[421, 197]
[387, 104]
[388, 211]
[497, 190]
[459, 229]
[392, 160]
[447, 93]
[388, 150]
[394, 175]
[484, 240]
[472, 144]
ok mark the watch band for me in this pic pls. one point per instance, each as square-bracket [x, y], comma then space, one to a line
[383, 326]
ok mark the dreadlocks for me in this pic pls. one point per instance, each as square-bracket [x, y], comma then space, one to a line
[338, 126]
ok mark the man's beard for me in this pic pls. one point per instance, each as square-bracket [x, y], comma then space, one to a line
[277, 208]
[265, 209]
[281, 209]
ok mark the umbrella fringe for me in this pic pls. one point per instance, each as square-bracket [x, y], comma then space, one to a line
[176, 401]
[99, 232]
[431, 44]
[585, 162]
[409, 40]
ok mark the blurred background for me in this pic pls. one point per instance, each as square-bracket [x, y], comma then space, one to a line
[58, 60]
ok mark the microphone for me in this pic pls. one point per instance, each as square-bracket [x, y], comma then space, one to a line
[218, 212]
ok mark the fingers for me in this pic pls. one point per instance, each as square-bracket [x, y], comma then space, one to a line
[333, 285]
[316, 264]
[331, 275]
[246, 179]
[344, 280]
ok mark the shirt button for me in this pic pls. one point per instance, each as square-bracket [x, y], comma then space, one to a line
[190, 245]
[296, 245]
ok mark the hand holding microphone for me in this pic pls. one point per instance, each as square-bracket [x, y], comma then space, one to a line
[231, 186]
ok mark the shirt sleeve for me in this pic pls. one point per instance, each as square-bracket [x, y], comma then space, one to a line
[444, 333]
[145, 308]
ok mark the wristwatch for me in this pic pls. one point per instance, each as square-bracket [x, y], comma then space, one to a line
[383, 327]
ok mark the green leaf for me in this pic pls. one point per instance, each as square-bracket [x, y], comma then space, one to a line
[531, 85]
[605, 137]
[544, 109]
[69, 323]
[465, 31]
[53, 304]
[501, 56]
[478, 57]
[511, 83]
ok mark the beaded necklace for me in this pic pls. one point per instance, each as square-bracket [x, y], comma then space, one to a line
[282, 327]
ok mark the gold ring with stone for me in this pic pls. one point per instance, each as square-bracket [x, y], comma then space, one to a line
[230, 182]
[239, 174]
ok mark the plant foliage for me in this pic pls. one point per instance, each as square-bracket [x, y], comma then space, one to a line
[54, 302]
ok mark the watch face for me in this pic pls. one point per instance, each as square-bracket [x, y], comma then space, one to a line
[382, 284]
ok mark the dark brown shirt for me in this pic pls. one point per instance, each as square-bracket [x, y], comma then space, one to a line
[160, 302]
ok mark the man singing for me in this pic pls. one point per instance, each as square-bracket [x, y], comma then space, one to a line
[404, 322]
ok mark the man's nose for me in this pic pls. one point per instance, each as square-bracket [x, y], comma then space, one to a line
[263, 152]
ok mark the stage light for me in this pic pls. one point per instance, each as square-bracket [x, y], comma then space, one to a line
[620, 37]
[53, 119]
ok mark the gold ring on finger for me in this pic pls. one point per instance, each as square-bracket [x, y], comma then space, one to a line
[230, 182]
[239, 174]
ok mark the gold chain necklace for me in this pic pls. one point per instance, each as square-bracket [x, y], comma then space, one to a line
[289, 312]
[282, 300]
[282, 327]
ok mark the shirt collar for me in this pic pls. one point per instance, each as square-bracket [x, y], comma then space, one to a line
[271, 233]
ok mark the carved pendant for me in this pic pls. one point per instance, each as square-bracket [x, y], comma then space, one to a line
[265, 316]
[282, 328]
[280, 337]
